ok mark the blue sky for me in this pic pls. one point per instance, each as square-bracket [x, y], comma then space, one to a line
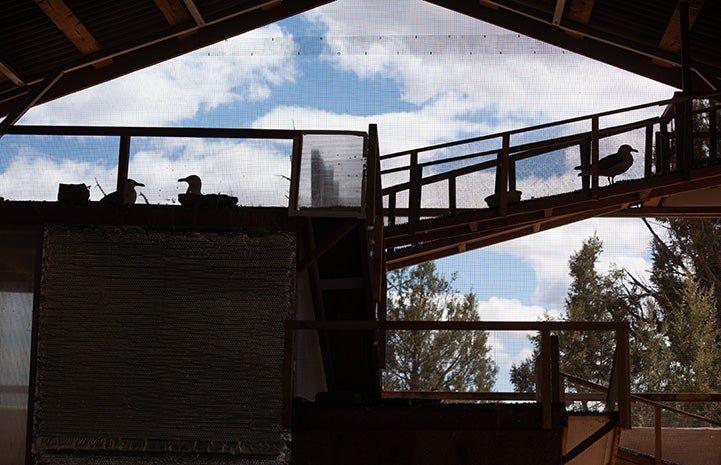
[423, 74]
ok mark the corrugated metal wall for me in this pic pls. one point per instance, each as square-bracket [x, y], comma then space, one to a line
[153, 342]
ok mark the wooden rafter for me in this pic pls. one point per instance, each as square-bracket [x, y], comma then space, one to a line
[580, 10]
[671, 39]
[7, 70]
[72, 27]
[558, 12]
[174, 11]
[194, 12]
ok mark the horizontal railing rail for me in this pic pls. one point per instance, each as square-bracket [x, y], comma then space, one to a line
[549, 387]
[659, 156]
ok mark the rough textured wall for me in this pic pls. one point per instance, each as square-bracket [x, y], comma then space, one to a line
[154, 341]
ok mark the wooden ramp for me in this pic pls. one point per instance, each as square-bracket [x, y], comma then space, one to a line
[450, 198]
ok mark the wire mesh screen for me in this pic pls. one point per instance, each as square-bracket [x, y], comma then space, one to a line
[256, 171]
[32, 167]
[154, 341]
[332, 170]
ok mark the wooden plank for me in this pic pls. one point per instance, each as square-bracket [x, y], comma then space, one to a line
[580, 10]
[671, 39]
[174, 11]
[11, 74]
[658, 449]
[70, 25]
[558, 12]
[545, 386]
[195, 12]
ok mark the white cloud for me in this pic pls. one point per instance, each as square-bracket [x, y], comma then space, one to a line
[177, 89]
[396, 130]
[429, 51]
[255, 172]
[626, 244]
[508, 347]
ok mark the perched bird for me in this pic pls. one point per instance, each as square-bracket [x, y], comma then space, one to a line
[612, 165]
[130, 194]
[194, 184]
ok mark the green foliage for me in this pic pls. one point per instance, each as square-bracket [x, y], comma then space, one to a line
[674, 320]
[434, 360]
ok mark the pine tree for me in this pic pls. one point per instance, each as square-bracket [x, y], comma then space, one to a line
[434, 360]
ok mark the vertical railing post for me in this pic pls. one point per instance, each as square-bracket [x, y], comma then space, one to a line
[545, 384]
[556, 380]
[452, 195]
[713, 133]
[295, 172]
[663, 151]
[123, 163]
[648, 153]
[594, 157]
[623, 378]
[392, 209]
[502, 170]
[658, 449]
[372, 174]
[585, 152]
[684, 142]
[414, 191]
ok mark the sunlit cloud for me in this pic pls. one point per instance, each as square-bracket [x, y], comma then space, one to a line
[176, 90]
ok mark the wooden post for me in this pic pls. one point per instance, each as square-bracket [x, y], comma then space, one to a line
[658, 458]
[123, 162]
[648, 165]
[452, 195]
[713, 133]
[414, 191]
[545, 388]
[502, 170]
[663, 149]
[295, 173]
[585, 149]
[372, 174]
[684, 144]
[392, 209]
[556, 380]
[594, 157]
[623, 378]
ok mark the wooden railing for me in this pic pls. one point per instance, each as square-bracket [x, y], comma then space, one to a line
[428, 166]
[549, 385]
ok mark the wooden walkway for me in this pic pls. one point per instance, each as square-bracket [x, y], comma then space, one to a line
[449, 198]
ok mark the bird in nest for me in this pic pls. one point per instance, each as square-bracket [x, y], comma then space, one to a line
[612, 165]
[194, 184]
[130, 193]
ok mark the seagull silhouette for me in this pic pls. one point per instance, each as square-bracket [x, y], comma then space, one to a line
[130, 194]
[194, 184]
[612, 165]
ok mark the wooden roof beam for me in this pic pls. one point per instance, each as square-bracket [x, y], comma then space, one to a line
[8, 71]
[72, 27]
[671, 39]
[558, 12]
[174, 11]
[194, 12]
[580, 10]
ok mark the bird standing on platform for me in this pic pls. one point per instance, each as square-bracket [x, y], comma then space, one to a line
[130, 194]
[194, 184]
[611, 165]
